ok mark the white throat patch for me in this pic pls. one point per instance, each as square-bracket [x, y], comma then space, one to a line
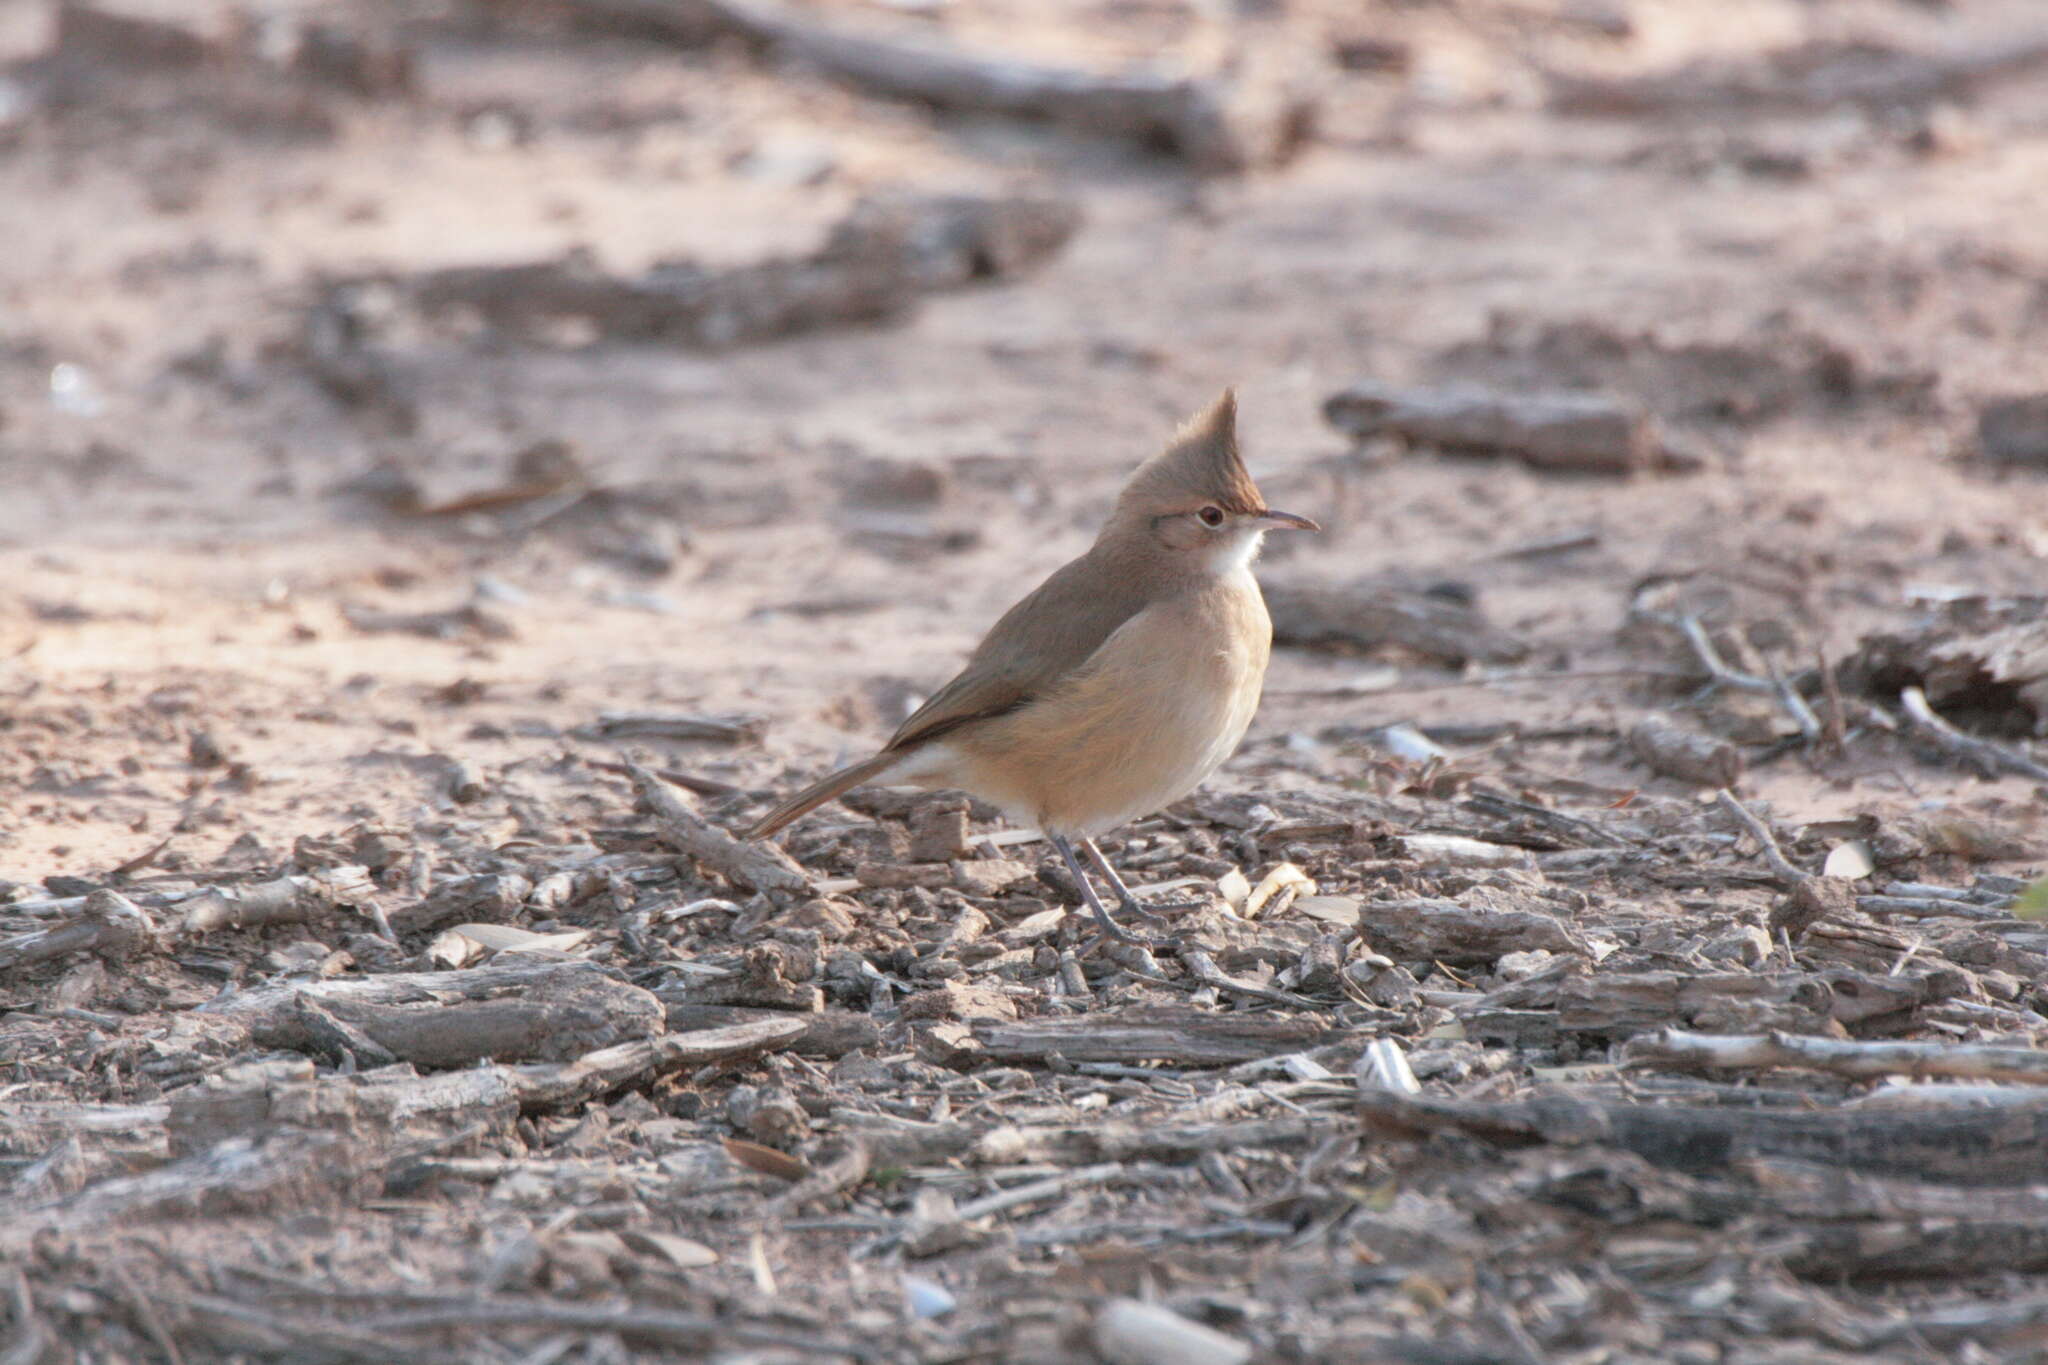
[1234, 552]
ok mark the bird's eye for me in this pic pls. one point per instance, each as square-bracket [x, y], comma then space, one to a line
[1211, 516]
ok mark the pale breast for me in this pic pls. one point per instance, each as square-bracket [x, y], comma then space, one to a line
[1151, 714]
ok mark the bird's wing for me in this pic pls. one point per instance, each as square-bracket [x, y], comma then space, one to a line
[1035, 645]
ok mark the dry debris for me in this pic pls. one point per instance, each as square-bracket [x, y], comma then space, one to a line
[1669, 984]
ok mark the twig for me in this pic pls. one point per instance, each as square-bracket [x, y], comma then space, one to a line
[689, 782]
[1176, 1033]
[758, 867]
[1506, 807]
[1208, 973]
[1787, 873]
[1986, 755]
[599, 1073]
[145, 1311]
[141, 860]
[669, 725]
[1836, 730]
[834, 1178]
[1788, 695]
[1019, 1195]
[1710, 658]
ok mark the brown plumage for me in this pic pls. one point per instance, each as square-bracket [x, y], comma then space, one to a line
[1119, 684]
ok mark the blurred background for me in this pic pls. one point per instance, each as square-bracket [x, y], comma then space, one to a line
[381, 381]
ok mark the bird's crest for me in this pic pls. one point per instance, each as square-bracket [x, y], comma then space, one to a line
[1199, 466]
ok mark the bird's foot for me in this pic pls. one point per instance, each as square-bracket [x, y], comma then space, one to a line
[1111, 930]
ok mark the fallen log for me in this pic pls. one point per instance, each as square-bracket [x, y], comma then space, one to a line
[500, 1090]
[284, 900]
[1812, 75]
[1364, 616]
[1587, 432]
[555, 1019]
[110, 924]
[771, 975]
[873, 266]
[288, 1168]
[1676, 1049]
[1153, 1142]
[271, 1012]
[1187, 1037]
[830, 1033]
[1986, 755]
[1256, 112]
[1621, 1005]
[1423, 930]
[1822, 1222]
[2003, 1146]
[1671, 750]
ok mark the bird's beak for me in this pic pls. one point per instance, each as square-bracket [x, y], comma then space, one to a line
[1285, 521]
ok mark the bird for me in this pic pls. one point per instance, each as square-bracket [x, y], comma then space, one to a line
[1118, 685]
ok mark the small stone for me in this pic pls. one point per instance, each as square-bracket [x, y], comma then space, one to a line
[2015, 430]
[1522, 966]
[938, 834]
[949, 1044]
[831, 919]
[202, 750]
[894, 483]
[769, 1115]
[927, 1298]
[900, 876]
[1747, 944]
[581, 1262]
[989, 876]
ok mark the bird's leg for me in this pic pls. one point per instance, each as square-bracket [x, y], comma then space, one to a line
[1109, 926]
[1126, 901]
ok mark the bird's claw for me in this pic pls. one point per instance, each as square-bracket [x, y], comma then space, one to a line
[1114, 932]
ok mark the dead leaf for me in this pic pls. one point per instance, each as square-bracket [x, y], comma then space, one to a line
[1285, 877]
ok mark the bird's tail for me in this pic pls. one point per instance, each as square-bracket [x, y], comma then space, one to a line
[821, 791]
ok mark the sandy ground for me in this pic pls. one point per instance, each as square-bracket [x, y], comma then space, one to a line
[181, 532]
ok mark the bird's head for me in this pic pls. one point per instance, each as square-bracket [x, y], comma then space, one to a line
[1195, 498]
